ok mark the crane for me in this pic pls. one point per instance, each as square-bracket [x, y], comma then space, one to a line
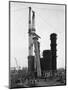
[18, 67]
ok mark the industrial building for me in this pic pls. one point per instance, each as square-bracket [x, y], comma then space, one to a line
[46, 61]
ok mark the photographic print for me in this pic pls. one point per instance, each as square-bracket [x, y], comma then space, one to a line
[37, 44]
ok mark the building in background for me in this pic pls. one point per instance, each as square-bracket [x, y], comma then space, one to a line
[53, 38]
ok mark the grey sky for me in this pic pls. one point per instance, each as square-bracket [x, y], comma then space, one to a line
[49, 19]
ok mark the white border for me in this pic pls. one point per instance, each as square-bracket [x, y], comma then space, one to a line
[4, 47]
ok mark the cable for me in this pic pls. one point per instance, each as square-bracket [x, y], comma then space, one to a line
[45, 21]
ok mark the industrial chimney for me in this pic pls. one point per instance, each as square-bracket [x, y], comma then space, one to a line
[53, 38]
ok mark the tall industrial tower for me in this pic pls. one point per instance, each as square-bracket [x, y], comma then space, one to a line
[33, 40]
[30, 34]
[53, 38]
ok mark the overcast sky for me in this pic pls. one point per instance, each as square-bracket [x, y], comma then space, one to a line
[48, 19]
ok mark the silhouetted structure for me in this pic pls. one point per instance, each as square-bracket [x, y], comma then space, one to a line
[53, 38]
[46, 61]
[31, 64]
